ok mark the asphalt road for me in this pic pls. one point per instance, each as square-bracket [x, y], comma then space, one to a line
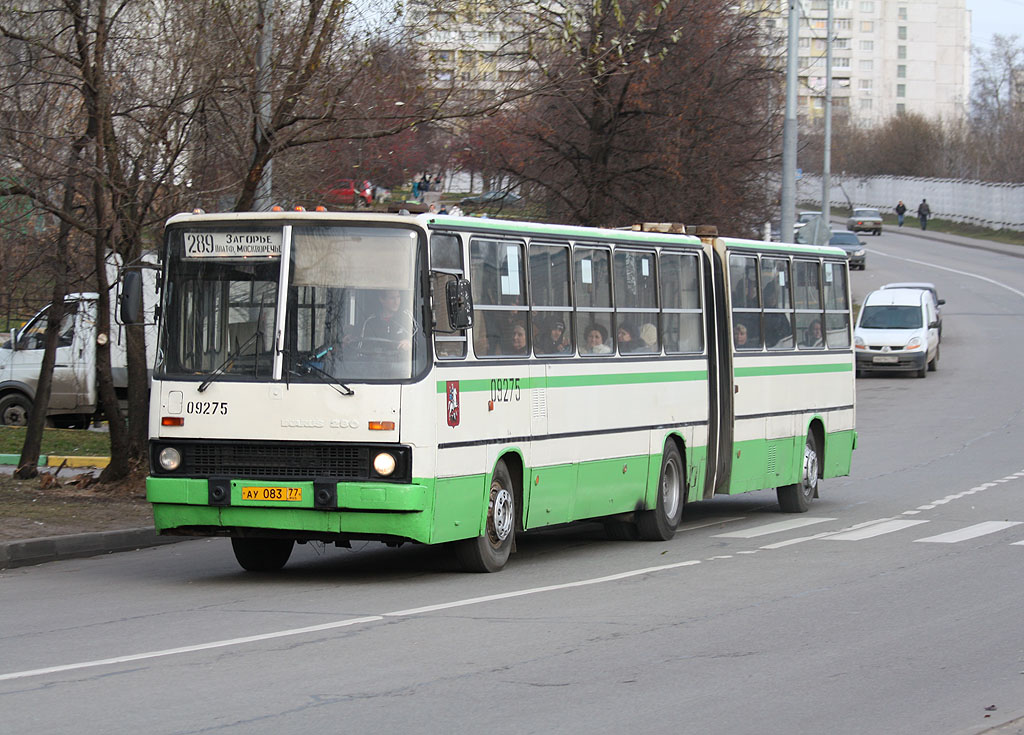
[895, 609]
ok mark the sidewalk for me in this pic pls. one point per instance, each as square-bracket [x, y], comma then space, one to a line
[71, 546]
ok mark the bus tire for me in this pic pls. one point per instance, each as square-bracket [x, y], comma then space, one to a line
[488, 553]
[796, 498]
[15, 409]
[660, 524]
[262, 554]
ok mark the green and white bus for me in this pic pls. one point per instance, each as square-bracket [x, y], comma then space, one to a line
[349, 376]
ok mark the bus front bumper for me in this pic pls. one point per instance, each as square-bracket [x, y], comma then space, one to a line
[357, 510]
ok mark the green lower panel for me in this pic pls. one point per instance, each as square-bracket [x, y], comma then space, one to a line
[757, 465]
[610, 486]
[459, 507]
[696, 466]
[767, 464]
[839, 453]
[550, 495]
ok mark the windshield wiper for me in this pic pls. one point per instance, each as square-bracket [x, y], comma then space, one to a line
[312, 368]
[227, 363]
[254, 337]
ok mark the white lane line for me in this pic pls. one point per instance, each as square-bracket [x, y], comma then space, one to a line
[343, 623]
[705, 524]
[950, 270]
[1017, 543]
[773, 528]
[190, 649]
[800, 540]
[877, 529]
[964, 534]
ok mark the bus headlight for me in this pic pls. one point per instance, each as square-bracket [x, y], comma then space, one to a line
[169, 458]
[384, 464]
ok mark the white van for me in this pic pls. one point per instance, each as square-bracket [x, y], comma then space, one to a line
[897, 329]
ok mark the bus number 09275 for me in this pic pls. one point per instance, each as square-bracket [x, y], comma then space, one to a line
[505, 389]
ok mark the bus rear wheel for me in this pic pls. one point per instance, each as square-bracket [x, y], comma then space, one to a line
[262, 554]
[490, 552]
[796, 498]
[660, 524]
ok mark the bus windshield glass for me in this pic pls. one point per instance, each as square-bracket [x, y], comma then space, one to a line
[345, 304]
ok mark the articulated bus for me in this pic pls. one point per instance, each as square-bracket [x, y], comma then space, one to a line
[334, 377]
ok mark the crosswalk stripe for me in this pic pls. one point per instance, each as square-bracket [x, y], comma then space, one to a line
[773, 528]
[964, 534]
[876, 529]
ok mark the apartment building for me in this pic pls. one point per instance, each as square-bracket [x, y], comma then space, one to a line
[888, 57]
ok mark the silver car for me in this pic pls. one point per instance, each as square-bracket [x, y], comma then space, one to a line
[865, 220]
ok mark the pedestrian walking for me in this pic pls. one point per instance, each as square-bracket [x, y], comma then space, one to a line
[923, 213]
[901, 209]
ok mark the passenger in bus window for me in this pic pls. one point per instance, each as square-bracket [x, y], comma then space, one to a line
[627, 338]
[518, 339]
[553, 340]
[739, 334]
[777, 327]
[596, 341]
[812, 335]
[649, 337]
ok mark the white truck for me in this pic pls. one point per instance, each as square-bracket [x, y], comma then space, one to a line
[74, 396]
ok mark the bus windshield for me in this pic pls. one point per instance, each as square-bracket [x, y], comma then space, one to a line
[349, 309]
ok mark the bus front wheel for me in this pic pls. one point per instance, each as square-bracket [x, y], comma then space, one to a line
[262, 554]
[796, 498]
[488, 553]
[660, 523]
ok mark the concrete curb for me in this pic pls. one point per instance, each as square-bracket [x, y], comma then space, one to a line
[53, 548]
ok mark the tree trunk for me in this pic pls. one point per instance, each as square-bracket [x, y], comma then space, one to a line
[32, 447]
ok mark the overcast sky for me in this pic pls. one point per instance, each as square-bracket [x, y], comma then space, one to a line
[989, 17]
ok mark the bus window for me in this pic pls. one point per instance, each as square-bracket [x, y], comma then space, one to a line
[551, 308]
[837, 306]
[593, 301]
[499, 296]
[746, 303]
[807, 298]
[636, 302]
[778, 306]
[446, 265]
[680, 304]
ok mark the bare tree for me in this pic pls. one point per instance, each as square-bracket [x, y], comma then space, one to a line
[656, 110]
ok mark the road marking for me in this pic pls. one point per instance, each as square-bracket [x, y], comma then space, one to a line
[345, 623]
[951, 270]
[877, 529]
[190, 649]
[777, 527]
[964, 534]
[792, 541]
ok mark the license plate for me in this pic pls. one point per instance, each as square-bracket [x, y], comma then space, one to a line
[275, 493]
[886, 358]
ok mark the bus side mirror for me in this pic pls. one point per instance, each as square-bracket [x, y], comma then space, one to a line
[131, 298]
[460, 303]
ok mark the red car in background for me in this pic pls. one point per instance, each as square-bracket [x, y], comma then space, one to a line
[346, 193]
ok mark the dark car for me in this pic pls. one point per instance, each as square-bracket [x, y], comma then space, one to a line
[496, 197]
[853, 246]
[865, 220]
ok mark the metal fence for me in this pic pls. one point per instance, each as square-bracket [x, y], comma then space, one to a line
[996, 206]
